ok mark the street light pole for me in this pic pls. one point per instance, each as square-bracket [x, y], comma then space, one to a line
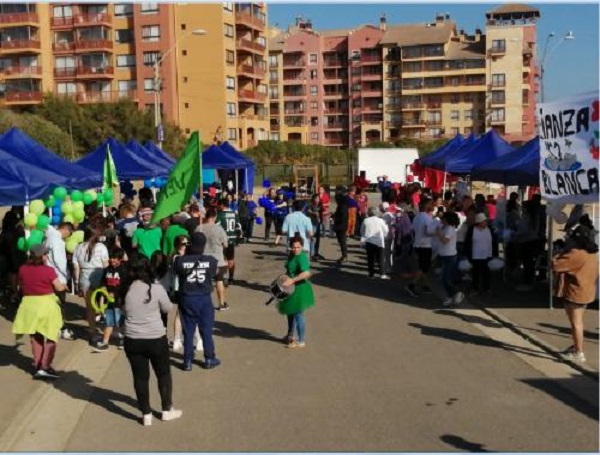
[157, 82]
[546, 56]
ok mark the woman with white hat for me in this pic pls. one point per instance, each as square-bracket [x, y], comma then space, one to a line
[480, 246]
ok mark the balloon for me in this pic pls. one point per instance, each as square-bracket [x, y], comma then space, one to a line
[43, 222]
[37, 206]
[87, 199]
[71, 244]
[60, 192]
[266, 183]
[36, 236]
[78, 215]
[92, 193]
[69, 218]
[50, 201]
[66, 207]
[56, 219]
[108, 194]
[21, 244]
[258, 220]
[30, 219]
[148, 183]
[78, 236]
[78, 205]
[76, 196]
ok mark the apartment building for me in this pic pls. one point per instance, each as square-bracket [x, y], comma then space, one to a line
[347, 88]
[212, 58]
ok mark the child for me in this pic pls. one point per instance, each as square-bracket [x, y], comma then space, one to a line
[114, 275]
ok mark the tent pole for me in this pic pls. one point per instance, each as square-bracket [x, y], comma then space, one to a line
[444, 188]
[237, 182]
[548, 266]
[246, 181]
[504, 242]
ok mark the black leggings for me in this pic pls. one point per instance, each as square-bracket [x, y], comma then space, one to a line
[374, 254]
[342, 241]
[268, 224]
[481, 275]
[140, 354]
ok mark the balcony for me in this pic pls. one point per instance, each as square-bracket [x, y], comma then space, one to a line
[12, 19]
[15, 72]
[65, 73]
[104, 97]
[371, 76]
[497, 51]
[251, 96]
[393, 107]
[294, 81]
[337, 94]
[371, 59]
[413, 123]
[23, 97]
[251, 71]
[370, 92]
[334, 111]
[497, 121]
[250, 46]
[96, 44]
[435, 122]
[95, 72]
[296, 63]
[16, 46]
[246, 18]
[336, 126]
[295, 124]
[65, 46]
[294, 94]
[295, 111]
[339, 140]
[61, 22]
[372, 107]
[497, 85]
[393, 123]
[334, 62]
[434, 106]
[85, 20]
[413, 106]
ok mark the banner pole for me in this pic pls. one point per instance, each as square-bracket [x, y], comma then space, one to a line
[549, 265]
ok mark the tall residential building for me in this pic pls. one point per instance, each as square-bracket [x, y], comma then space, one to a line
[347, 88]
[100, 52]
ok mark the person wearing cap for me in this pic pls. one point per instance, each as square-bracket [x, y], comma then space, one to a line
[480, 246]
[39, 314]
[373, 234]
[196, 272]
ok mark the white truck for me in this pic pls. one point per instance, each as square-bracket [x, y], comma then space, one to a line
[393, 162]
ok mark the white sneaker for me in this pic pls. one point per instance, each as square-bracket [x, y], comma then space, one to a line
[459, 298]
[576, 356]
[172, 414]
[448, 301]
[147, 420]
[66, 334]
[177, 345]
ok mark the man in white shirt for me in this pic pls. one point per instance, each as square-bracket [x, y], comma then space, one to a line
[373, 233]
[298, 222]
[424, 227]
[57, 259]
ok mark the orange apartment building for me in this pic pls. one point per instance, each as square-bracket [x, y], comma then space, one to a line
[347, 88]
[101, 52]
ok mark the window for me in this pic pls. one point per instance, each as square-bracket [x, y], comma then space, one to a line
[468, 98]
[454, 99]
[228, 30]
[65, 88]
[314, 136]
[498, 96]
[121, 9]
[228, 6]
[124, 35]
[151, 33]
[314, 105]
[498, 80]
[127, 86]
[274, 136]
[454, 131]
[498, 115]
[314, 121]
[313, 90]
[150, 58]
[468, 114]
[312, 59]
[261, 41]
[149, 8]
[498, 45]
[231, 109]
[231, 134]
[273, 77]
[229, 57]
[60, 62]
[468, 130]
[124, 61]
[454, 115]
[313, 74]
[186, 105]
[184, 52]
[185, 79]
[67, 11]
[454, 81]
[273, 92]
[149, 84]
[230, 83]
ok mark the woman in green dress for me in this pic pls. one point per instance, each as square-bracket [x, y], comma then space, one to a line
[298, 272]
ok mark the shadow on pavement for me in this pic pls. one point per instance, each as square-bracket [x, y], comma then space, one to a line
[463, 444]
[472, 319]
[481, 340]
[227, 330]
[566, 331]
[10, 356]
[556, 389]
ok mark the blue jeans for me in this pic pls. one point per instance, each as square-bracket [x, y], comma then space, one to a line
[298, 322]
[197, 310]
[448, 274]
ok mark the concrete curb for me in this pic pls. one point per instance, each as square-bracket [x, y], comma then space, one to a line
[550, 349]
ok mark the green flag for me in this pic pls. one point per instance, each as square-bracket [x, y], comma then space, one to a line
[109, 173]
[184, 179]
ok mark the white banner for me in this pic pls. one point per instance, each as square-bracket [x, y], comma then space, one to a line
[569, 146]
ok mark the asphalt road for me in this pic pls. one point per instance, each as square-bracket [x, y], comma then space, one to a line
[380, 372]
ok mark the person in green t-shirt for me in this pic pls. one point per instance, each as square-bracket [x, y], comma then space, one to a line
[174, 230]
[230, 221]
[147, 239]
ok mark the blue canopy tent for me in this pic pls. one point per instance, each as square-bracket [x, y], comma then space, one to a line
[36, 182]
[145, 154]
[21, 146]
[128, 165]
[250, 168]
[214, 157]
[489, 147]
[452, 144]
[152, 148]
[12, 192]
[521, 167]
[439, 161]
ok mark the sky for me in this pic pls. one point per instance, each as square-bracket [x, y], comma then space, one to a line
[571, 66]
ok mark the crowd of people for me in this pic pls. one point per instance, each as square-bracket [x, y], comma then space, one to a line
[136, 271]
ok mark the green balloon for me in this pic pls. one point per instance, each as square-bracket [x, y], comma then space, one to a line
[100, 198]
[30, 219]
[87, 198]
[76, 196]
[35, 236]
[92, 193]
[37, 207]
[66, 207]
[50, 201]
[22, 244]
[108, 194]
[79, 215]
[60, 192]
[43, 222]
[78, 205]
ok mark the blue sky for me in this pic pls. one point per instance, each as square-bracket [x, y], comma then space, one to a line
[570, 69]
